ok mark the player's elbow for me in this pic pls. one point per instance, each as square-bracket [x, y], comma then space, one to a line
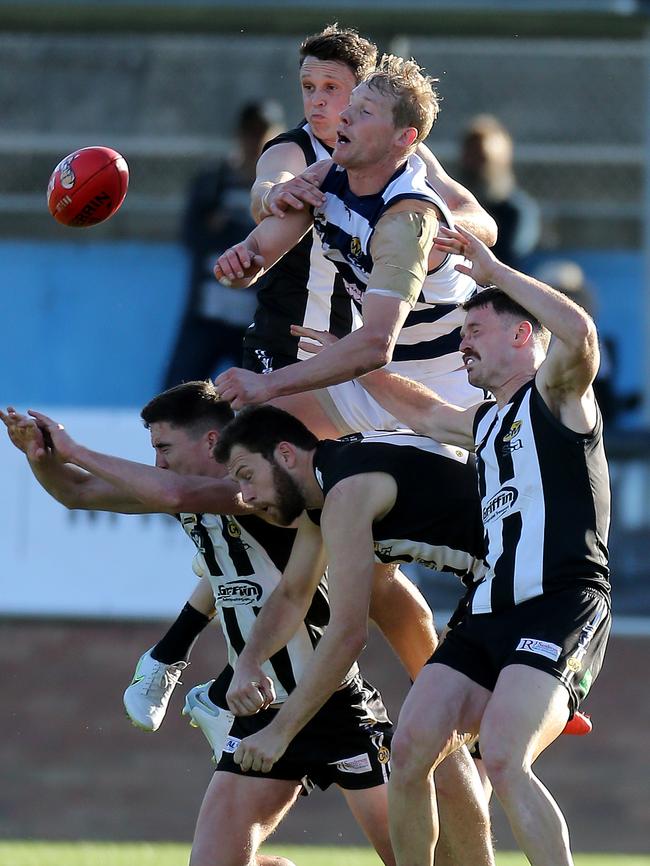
[353, 640]
[72, 501]
[172, 498]
[584, 334]
[379, 350]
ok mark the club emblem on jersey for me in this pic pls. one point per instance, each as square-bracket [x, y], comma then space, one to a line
[233, 530]
[514, 430]
[383, 755]
[355, 248]
[574, 664]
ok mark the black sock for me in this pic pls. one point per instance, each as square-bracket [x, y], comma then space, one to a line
[177, 643]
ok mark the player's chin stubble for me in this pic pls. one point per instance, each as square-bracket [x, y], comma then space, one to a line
[290, 502]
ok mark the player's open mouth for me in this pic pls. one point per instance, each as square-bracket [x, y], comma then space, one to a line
[468, 360]
[342, 139]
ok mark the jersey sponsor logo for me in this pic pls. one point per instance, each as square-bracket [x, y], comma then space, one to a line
[265, 360]
[358, 764]
[540, 647]
[512, 446]
[500, 504]
[231, 745]
[238, 592]
[355, 292]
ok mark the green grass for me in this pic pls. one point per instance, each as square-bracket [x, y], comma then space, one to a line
[145, 854]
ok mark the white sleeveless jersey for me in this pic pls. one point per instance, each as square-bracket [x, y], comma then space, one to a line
[427, 347]
[243, 559]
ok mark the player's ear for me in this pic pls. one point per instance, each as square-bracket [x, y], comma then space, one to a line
[285, 454]
[212, 438]
[523, 333]
[408, 137]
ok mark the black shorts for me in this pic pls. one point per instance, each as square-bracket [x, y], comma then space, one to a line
[564, 633]
[263, 361]
[346, 743]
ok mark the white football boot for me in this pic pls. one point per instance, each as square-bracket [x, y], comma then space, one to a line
[146, 699]
[214, 721]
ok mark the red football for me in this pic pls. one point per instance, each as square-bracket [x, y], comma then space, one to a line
[88, 186]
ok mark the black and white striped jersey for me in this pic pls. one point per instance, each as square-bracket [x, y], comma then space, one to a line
[427, 346]
[244, 558]
[303, 288]
[545, 498]
[436, 518]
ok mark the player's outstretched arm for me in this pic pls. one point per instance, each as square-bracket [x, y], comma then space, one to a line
[283, 182]
[71, 486]
[573, 358]
[278, 620]
[464, 206]
[422, 409]
[346, 523]
[241, 265]
[154, 490]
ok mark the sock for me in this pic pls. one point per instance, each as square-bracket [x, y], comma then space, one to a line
[177, 643]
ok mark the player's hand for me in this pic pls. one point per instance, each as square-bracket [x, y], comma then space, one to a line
[484, 263]
[238, 266]
[315, 340]
[260, 751]
[242, 387]
[24, 433]
[293, 194]
[250, 690]
[63, 445]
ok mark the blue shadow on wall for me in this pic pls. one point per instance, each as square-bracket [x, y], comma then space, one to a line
[87, 324]
[616, 277]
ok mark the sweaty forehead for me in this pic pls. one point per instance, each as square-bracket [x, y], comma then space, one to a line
[331, 70]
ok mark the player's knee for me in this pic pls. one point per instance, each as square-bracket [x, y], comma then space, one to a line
[410, 758]
[504, 767]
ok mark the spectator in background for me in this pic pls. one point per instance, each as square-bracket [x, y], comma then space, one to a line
[217, 215]
[486, 169]
[568, 277]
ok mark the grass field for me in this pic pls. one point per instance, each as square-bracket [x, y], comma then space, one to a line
[111, 854]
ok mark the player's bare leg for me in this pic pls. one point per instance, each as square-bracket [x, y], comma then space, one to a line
[403, 615]
[513, 733]
[399, 609]
[237, 814]
[426, 734]
[370, 810]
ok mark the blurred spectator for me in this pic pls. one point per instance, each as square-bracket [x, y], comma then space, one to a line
[568, 277]
[486, 168]
[217, 215]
